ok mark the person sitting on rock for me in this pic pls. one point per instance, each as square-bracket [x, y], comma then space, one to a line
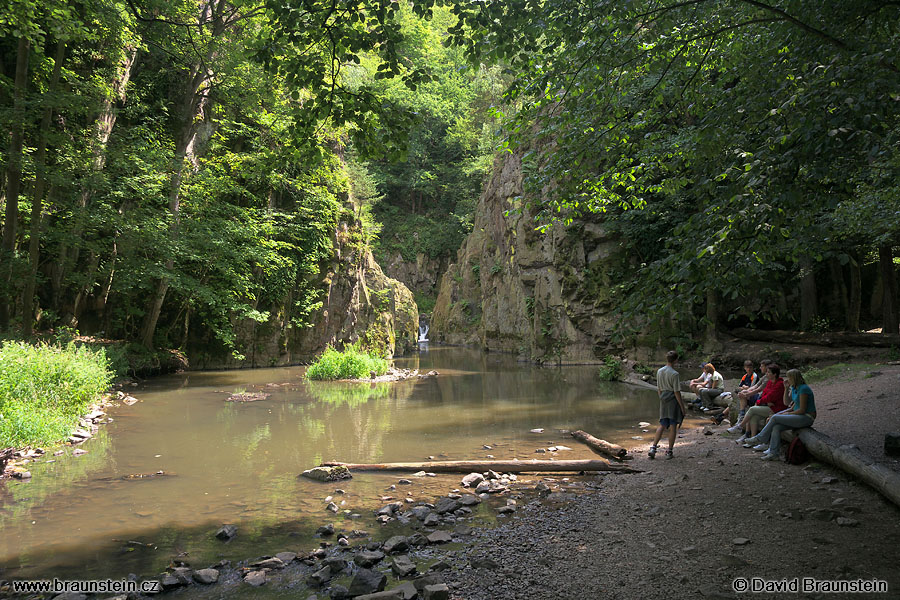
[771, 402]
[715, 385]
[694, 385]
[747, 381]
[802, 414]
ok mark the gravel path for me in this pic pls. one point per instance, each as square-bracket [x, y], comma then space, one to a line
[688, 527]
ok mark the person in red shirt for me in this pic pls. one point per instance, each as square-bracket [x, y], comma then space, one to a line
[770, 402]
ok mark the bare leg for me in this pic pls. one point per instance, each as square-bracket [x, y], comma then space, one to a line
[673, 431]
[658, 436]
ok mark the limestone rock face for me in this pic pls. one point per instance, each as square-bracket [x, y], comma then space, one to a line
[421, 275]
[544, 296]
[359, 302]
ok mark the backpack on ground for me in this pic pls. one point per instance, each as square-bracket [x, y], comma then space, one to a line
[797, 454]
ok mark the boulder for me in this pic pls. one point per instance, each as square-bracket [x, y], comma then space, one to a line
[446, 505]
[320, 577]
[326, 530]
[338, 592]
[226, 532]
[398, 543]
[367, 581]
[402, 566]
[394, 594]
[472, 479]
[469, 500]
[268, 563]
[336, 564]
[368, 558]
[327, 473]
[206, 576]
[439, 537]
[438, 591]
[286, 557]
[255, 578]
[431, 520]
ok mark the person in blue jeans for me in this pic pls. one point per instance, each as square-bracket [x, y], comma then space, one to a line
[801, 414]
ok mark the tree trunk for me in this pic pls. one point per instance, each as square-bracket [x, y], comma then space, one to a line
[834, 338]
[712, 317]
[479, 466]
[848, 458]
[808, 299]
[855, 301]
[600, 446]
[838, 303]
[14, 180]
[103, 128]
[191, 109]
[888, 290]
[37, 202]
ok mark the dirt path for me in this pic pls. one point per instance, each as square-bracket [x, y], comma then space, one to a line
[688, 527]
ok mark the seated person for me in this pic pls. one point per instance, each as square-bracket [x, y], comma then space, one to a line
[750, 396]
[770, 403]
[714, 386]
[802, 414]
[700, 382]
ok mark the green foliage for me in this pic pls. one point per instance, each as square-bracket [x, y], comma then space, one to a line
[352, 363]
[893, 353]
[424, 302]
[611, 370]
[820, 325]
[45, 389]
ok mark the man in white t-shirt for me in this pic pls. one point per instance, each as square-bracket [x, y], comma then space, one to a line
[671, 405]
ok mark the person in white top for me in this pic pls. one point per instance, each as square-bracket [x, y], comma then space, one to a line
[671, 405]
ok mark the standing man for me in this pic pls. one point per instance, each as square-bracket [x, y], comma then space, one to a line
[671, 406]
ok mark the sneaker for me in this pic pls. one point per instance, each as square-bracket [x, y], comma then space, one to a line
[669, 454]
[752, 440]
[652, 452]
[748, 444]
[734, 429]
[771, 456]
[760, 447]
[741, 439]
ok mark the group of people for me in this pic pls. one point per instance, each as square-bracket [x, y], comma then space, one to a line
[766, 405]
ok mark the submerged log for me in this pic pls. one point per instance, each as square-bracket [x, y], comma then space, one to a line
[479, 466]
[600, 446]
[851, 460]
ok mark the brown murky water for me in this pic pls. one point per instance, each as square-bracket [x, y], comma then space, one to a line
[81, 517]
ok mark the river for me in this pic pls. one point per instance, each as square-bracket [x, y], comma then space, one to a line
[224, 462]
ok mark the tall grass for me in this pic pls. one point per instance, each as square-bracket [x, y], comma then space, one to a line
[352, 363]
[44, 389]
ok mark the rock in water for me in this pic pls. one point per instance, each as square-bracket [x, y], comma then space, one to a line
[367, 581]
[438, 591]
[206, 576]
[472, 479]
[255, 578]
[226, 532]
[327, 473]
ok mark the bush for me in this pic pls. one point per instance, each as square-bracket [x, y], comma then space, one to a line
[352, 363]
[611, 370]
[45, 389]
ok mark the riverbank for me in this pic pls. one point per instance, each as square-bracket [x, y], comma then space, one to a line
[690, 526]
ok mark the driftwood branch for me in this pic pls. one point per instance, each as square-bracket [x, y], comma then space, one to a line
[599, 446]
[479, 466]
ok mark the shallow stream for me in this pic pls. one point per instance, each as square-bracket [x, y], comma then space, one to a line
[87, 517]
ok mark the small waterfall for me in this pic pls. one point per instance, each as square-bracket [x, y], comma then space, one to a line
[423, 333]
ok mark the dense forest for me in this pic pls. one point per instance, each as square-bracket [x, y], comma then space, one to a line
[174, 168]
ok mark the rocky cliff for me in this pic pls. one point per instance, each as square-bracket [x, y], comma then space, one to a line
[422, 275]
[359, 302]
[543, 296]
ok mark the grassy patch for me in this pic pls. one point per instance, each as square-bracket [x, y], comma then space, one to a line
[352, 363]
[843, 370]
[44, 389]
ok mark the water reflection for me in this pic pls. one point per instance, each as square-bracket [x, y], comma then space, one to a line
[238, 462]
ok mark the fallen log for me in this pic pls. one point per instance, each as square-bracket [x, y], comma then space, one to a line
[600, 446]
[835, 338]
[479, 466]
[850, 459]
